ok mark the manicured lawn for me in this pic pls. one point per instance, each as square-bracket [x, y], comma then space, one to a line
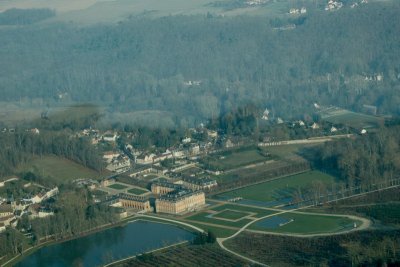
[279, 188]
[137, 191]
[60, 169]
[260, 212]
[230, 214]
[118, 186]
[308, 224]
[202, 217]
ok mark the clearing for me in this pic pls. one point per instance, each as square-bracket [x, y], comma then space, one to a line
[59, 169]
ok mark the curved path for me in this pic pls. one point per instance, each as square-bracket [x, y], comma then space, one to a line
[170, 220]
[365, 224]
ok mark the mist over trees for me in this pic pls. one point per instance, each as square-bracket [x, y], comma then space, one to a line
[147, 63]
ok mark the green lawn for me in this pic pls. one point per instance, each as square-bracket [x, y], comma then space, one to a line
[60, 169]
[259, 212]
[218, 231]
[137, 191]
[284, 151]
[202, 217]
[231, 159]
[118, 186]
[353, 119]
[273, 190]
[230, 214]
[310, 224]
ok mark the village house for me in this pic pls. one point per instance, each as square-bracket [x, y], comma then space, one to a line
[37, 211]
[194, 149]
[107, 182]
[315, 126]
[110, 155]
[2, 227]
[110, 136]
[212, 134]
[265, 114]
[333, 5]
[178, 153]
[6, 210]
[119, 164]
[145, 159]
[6, 215]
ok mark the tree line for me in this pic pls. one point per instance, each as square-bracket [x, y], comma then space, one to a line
[365, 160]
[22, 146]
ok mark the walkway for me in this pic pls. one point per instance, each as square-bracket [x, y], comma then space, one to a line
[170, 220]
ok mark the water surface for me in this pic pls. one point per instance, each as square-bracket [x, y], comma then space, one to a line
[108, 245]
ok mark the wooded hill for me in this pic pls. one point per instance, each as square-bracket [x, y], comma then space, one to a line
[147, 63]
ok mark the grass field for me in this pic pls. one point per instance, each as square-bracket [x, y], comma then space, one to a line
[280, 188]
[234, 158]
[61, 170]
[352, 119]
[257, 173]
[137, 191]
[309, 224]
[118, 186]
[230, 214]
[285, 151]
[203, 217]
[258, 211]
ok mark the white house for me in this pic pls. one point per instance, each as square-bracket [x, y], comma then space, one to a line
[315, 126]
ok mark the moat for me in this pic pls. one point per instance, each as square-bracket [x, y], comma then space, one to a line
[108, 246]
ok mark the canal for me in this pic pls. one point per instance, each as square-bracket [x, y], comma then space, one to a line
[107, 246]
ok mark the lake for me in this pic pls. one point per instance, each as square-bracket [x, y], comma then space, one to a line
[108, 245]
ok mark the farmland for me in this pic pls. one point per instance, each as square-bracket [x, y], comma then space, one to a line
[357, 248]
[186, 255]
[280, 188]
[94, 11]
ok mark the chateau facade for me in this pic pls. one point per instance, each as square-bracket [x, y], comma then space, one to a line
[180, 201]
[136, 202]
[162, 188]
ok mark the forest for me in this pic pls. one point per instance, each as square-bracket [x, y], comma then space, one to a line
[193, 68]
[365, 160]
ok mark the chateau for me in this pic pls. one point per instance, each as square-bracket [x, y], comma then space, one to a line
[180, 201]
[161, 188]
[198, 183]
[137, 202]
